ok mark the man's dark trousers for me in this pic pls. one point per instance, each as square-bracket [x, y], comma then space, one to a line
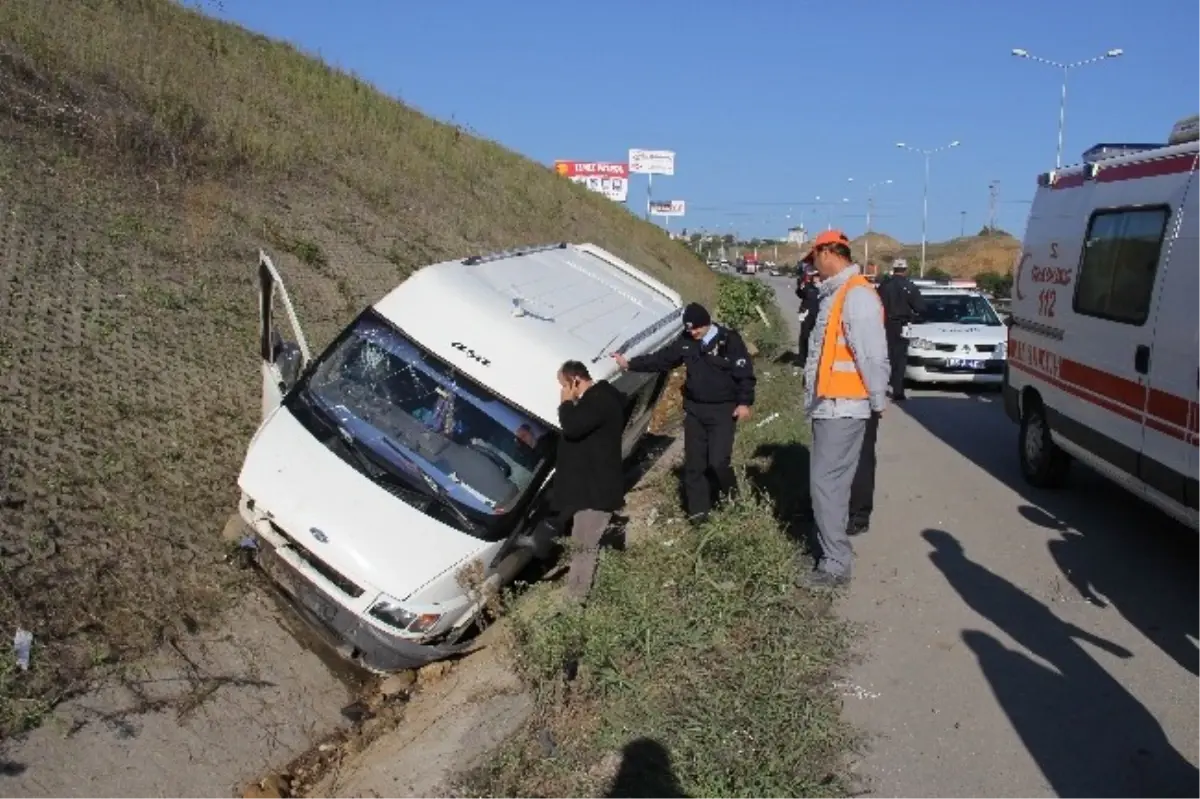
[862, 491]
[897, 346]
[708, 430]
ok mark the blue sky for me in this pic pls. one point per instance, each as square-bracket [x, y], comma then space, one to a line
[771, 103]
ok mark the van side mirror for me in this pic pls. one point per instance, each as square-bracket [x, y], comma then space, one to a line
[1008, 321]
[289, 359]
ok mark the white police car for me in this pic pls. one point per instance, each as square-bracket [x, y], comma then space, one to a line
[958, 339]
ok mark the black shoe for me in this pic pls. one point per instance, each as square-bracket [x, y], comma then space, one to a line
[697, 519]
[858, 528]
[899, 398]
[818, 580]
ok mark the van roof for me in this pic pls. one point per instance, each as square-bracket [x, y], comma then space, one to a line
[510, 319]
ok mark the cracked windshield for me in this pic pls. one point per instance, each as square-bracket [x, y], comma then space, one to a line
[426, 422]
[962, 310]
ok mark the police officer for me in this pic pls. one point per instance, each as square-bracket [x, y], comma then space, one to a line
[901, 302]
[718, 392]
[810, 300]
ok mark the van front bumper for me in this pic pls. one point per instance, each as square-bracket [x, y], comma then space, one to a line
[352, 636]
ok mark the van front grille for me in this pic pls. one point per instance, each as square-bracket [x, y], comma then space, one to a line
[343, 583]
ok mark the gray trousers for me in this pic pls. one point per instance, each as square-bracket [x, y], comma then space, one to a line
[836, 446]
[586, 532]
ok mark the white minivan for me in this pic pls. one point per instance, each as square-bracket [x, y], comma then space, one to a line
[1103, 355]
[394, 481]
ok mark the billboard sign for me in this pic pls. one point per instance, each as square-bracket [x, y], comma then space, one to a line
[652, 162]
[607, 178]
[668, 208]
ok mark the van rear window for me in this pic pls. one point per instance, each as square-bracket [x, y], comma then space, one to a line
[1120, 259]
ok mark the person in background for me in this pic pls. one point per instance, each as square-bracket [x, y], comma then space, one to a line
[589, 477]
[846, 378]
[806, 290]
[902, 302]
[718, 392]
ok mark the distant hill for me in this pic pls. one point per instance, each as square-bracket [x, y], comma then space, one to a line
[967, 256]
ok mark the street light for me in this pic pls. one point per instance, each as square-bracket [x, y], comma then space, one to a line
[925, 192]
[1116, 52]
[829, 209]
[870, 207]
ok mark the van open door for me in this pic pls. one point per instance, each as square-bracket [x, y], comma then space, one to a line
[283, 359]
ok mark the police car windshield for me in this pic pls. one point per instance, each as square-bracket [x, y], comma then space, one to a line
[960, 309]
[425, 421]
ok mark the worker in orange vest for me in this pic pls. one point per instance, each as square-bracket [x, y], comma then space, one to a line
[845, 387]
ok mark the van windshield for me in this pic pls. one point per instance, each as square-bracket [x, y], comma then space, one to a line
[423, 422]
[961, 309]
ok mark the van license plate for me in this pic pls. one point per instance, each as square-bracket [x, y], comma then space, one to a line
[961, 363]
[294, 584]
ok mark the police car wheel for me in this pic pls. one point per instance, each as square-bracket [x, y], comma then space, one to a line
[1043, 464]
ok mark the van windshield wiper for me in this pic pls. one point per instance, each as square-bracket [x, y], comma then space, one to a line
[435, 489]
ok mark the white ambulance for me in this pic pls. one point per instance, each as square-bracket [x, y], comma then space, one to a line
[1103, 355]
[395, 479]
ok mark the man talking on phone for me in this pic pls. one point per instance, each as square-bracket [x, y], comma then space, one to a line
[717, 394]
[589, 481]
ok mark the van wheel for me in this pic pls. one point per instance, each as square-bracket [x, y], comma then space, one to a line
[1043, 464]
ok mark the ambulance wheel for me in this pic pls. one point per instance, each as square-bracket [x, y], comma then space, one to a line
[1043, 464]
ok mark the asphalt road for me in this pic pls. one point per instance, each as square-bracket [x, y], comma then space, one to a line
[1016, 642]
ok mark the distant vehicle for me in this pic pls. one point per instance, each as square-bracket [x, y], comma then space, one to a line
[396, 480]
[773, 272]
[1103, 339]
[958, 339]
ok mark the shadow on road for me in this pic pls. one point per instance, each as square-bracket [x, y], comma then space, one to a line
[1113, 548]
[646, 771]
[1089, 736]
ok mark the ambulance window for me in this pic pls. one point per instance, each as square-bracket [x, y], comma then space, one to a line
[1120, 259]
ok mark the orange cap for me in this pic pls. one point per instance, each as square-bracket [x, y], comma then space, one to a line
[823, 238]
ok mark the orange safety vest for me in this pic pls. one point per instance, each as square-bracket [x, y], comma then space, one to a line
[838, 376]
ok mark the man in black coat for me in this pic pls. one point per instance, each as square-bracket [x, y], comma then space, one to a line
[717, 393]
[810, 304]
[589, 478]
[902, 302]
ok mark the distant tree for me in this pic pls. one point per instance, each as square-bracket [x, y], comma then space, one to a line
[995, 283]
[933, 273]
[728, 239]
[987, 231]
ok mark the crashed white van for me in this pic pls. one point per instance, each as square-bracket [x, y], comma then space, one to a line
[395, 479]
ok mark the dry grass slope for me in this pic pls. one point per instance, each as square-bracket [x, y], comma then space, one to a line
[145, 153]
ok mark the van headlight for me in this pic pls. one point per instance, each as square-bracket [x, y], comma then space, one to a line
[920, 344]
[390, 612]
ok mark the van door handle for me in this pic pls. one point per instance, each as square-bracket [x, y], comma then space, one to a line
[1141, 359]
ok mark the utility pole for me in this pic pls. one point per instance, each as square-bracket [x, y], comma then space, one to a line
[993, 198]
[962, 228]
[925, 194]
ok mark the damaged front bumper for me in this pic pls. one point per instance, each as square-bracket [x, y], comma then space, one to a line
[352, 636]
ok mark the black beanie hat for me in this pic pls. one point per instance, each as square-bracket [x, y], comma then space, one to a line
[696, 315]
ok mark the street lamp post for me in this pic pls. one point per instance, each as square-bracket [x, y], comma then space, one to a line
[1116, 52]
[925, 192]
[870, 208]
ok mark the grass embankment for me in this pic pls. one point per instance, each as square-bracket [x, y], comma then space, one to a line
[146, 152]
[698, 668]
